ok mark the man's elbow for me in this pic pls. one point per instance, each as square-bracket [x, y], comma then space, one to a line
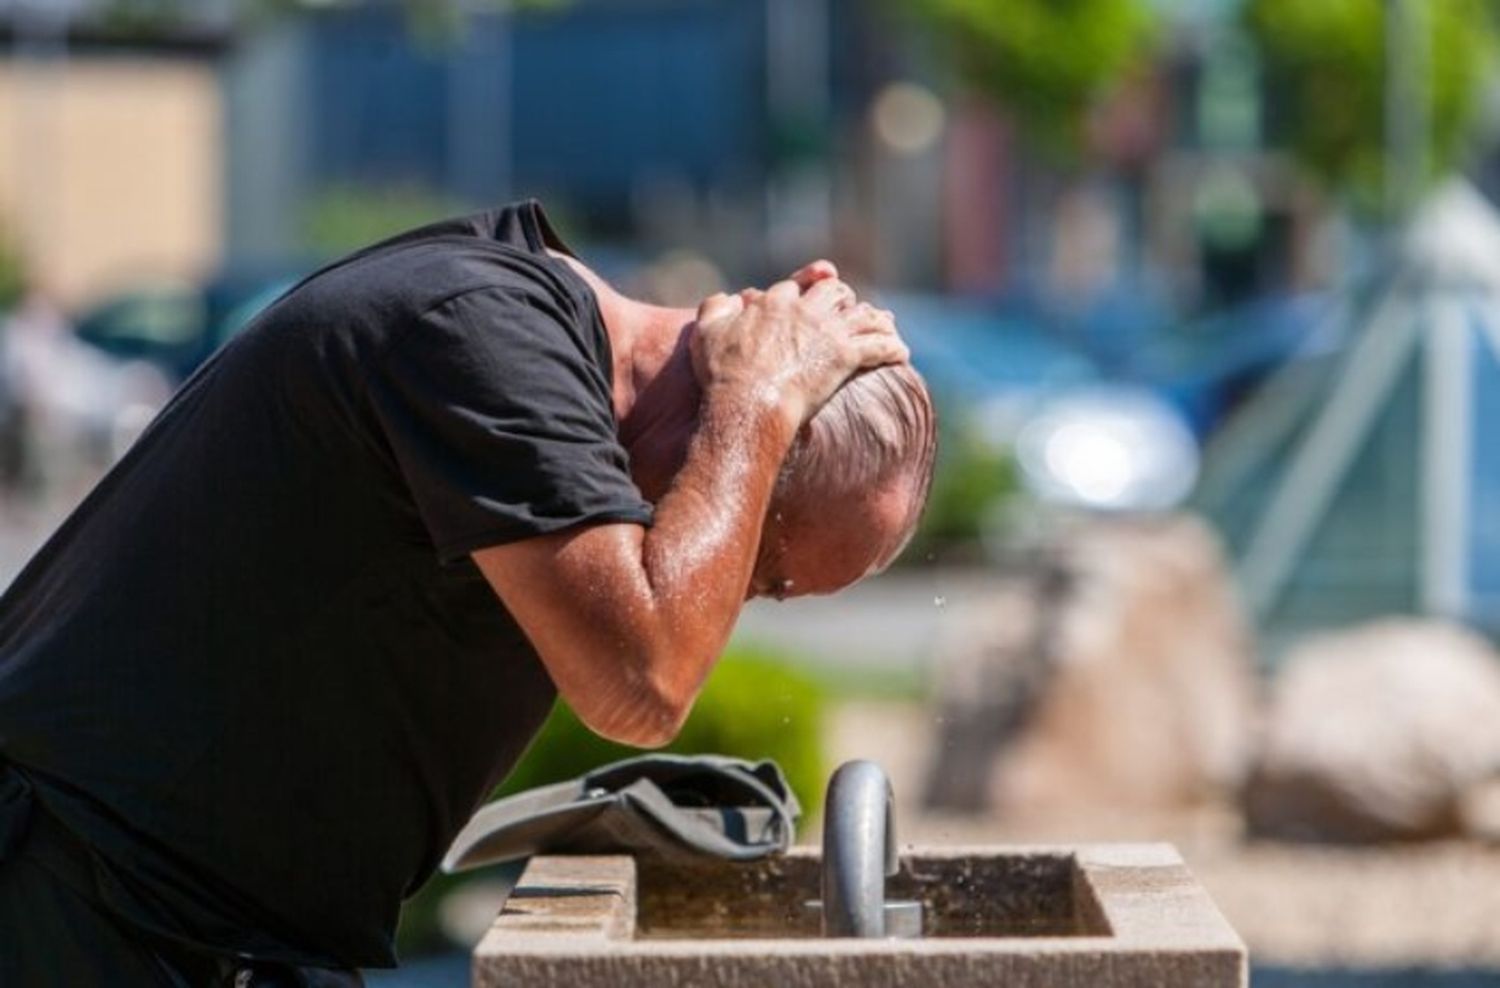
[642, 727]
[637, 735]
[648, 714]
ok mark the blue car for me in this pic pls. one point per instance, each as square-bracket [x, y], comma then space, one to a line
[969, 351]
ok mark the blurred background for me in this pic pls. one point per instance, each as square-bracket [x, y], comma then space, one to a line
[1208, 292]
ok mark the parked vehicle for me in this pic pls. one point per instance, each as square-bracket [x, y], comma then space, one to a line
[983, 364]
[177, 325]
[1080, 441]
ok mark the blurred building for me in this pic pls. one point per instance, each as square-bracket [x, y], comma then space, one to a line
[756, 133]
[111, 153]
[662, 121]
[1177, 204]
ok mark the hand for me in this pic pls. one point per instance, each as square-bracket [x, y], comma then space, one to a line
[792, 346]
[812, 273]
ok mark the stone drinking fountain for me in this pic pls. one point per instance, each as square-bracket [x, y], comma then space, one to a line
[1101, 916]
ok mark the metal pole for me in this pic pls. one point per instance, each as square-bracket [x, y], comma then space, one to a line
[1447, 416]
[1323, 458]
[1408, 42]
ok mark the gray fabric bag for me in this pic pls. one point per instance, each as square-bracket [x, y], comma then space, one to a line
[667, 806]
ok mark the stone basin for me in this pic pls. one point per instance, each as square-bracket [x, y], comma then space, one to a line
[1105, 916]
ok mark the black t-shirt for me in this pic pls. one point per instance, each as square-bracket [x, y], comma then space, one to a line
[256, 670]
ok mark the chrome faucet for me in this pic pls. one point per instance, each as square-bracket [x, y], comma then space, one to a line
[859, 854]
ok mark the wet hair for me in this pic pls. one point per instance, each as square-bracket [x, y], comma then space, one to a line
[878, 428]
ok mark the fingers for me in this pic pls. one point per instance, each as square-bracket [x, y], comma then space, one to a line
[829, 295]
[813, 282]
[810, 274]
[720, 306]
[783, 293]
[874, 339]
[865, 318]
[879, 350]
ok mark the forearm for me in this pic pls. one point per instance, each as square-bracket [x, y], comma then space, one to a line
[628, 621]
[698, 557]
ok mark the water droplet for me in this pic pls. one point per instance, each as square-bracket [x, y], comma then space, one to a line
[787, 719]
[940, 601]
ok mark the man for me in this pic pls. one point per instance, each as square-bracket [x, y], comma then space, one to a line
[252, 688]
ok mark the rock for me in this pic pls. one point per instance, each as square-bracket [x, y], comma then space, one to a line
[993, 662]
[1117, 674]
[1389, 731]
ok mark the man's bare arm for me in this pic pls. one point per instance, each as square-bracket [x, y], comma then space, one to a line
[629, 621]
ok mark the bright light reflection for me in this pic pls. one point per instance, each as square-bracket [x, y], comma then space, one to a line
[1095, 463]
[1110, 449]
[908, 118]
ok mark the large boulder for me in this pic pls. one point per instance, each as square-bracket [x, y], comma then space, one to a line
[1117, 673]
[1389, 731]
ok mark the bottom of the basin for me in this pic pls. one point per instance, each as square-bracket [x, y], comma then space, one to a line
[1032, 895]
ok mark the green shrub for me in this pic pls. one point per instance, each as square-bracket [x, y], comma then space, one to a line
[973, 481]
[756, 705]
[12, 271]
[1048, 62]
[1326, 63]
[342, 218]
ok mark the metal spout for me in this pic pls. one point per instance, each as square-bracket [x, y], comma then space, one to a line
[859, 853]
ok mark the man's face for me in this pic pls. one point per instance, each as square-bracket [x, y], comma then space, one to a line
[818, 545]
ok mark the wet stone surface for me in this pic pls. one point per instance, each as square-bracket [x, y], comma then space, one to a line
[1038, 895]
[1108, 916]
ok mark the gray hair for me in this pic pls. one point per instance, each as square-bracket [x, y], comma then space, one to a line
[879, 427]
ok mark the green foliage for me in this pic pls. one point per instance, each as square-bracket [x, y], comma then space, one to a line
[12, 272]
[756, 705]
[436, 21]
[1048, 61]
[346, 217]
[974, 479]
[140, 18]
[1326, 64]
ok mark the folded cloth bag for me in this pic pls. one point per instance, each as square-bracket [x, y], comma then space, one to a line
[674, 807]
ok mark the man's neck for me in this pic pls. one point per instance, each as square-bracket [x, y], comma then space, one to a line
[642, 338]
[656, 393]
[650, 345]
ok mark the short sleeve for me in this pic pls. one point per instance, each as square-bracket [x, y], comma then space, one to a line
[497, 408]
